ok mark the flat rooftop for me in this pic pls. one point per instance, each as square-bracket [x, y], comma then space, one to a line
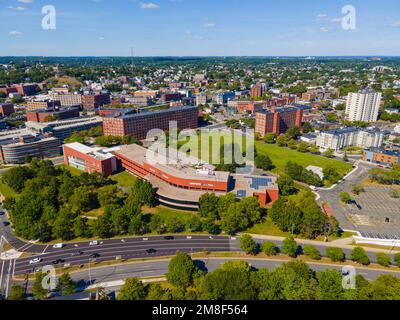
[97, 153]
[177, 164]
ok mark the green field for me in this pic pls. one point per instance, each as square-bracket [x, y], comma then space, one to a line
[280, 156]
[6, 191]
[168, 213]
[124, 179]
[72, 170]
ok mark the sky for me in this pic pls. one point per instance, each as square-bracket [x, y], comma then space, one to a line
[200, 28]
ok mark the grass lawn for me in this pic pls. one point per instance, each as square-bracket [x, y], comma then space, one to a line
[280, 156]
[168, 213]
[267, 228]
[6, 191]
[95, 213]
[124, 179]
[72, 170]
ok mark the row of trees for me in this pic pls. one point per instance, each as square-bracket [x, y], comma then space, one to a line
[231, 214]
[237, 280]
[386, 176]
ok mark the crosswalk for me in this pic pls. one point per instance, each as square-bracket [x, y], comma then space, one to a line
[7, 268]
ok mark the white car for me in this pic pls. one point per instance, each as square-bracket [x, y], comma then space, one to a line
[93, 243]
[35, 260]
[58, 246]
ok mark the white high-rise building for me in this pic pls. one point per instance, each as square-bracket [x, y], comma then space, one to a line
[363, 106]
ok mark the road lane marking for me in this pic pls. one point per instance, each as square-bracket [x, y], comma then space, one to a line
[1, 274]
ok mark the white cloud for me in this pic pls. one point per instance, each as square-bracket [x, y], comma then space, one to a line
[322, 15]
[25, 1]
[19, 8]
[396, 24]
[190, 35]
[336, 20]
[209, 25]
[149, 5]
[101, 38]
[17, 34]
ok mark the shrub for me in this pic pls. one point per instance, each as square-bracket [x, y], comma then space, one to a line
[290, 247]
[312, 252]
[335, 254]
[383, 259]
[360, 256]
[269, 248]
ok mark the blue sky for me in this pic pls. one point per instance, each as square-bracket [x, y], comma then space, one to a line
[199, 27]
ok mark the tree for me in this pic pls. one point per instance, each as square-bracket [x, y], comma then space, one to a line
[307, 128]
[263, 162]
[248, 245]
[286, 215]
[133, 289]
[17, 293]
[292, 144]
[39, 292]
[329, 285]
[83, 199]
[397, 259]
[155, 292]
[331, 174]
[357, 188]
[290, 247]
[210, 226]
[65, 285]
[16, 177]
[208, 205]
[303, 147]
[345, 197]
[270, 138]
[293, 132]
[108, 195]
[329, 153]
[314, 149]
[286, 185]
[142, 193]
[181, 270]
[312, 252]
[281, 140]
[395, 194]
[345, 157]
[269, 248]
[383, 259]
[386, 287]
[335, 254]
[359, 255]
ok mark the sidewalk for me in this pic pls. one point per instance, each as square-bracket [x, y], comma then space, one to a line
[340, 243]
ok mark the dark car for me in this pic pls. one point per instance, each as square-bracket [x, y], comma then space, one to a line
[94, 255]
[151, 251]
[6, 223]
[1, 213]
[58, 261]
[78, 253]
[169, 238]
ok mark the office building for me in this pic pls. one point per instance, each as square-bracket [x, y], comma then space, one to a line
[42, 104]
[47, 115]
[380, 156]
[139, 124]
[351, 136]
[67, 99]
[201, 99]
[91, 102]
[256, 91]
[15, 146]
[278, 120]
[363, 106]
[63, 129]
[89, 159]
[181, 185]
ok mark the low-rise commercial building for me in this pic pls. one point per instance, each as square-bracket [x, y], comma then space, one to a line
[89, 159]
[381, 156]
[6, 109]
[181, 185]
[42, 104]
[67, 99]
[91, 102]
[52, 115]
[351, 136]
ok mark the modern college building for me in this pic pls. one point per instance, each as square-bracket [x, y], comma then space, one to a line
[122, 124]
[181, 185]
[380, 156]
[89, 159]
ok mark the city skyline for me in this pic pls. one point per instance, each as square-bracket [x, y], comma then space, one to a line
[223, 28]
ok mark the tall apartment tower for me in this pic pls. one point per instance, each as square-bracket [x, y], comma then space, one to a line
[363, 106]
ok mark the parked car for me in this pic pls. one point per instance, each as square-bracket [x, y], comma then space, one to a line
[6, 223]
[35, 260]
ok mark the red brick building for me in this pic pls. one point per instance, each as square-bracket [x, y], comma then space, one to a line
[94, 101]
[166, 97]
[139, 124]
[89, 159]
[6, 109]
[278, 120]
[256, 91]
[52, 115]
